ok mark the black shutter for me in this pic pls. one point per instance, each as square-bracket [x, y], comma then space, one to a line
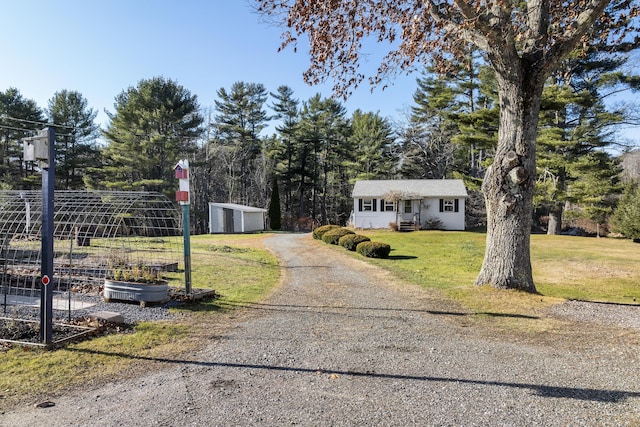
[382, 206]
[441, 205]
[456, 205]
[374, 203]
[360, 205]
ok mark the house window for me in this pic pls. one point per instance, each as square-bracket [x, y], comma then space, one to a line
[407, 206]
[448, 205]
[388, 206]
[367, 205]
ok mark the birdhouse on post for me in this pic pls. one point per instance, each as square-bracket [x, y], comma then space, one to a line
[182, 174]
[182, 195]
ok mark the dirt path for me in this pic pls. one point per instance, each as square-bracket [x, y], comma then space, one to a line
[340, 343]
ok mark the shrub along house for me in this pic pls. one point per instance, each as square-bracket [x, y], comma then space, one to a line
[409, 204]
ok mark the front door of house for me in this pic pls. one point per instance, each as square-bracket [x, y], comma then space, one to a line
[406, 210]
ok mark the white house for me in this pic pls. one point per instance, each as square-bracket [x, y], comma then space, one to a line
[409, 203]
[233, 218]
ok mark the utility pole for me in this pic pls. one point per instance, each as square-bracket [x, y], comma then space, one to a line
[41, 148]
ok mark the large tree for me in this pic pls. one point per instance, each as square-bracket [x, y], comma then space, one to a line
[76, 135]
[239, 120]
[428, 151]
[286, 107]
[576, 125]
[524, 42]
[19, 118]
[155, 124]
[372, 142]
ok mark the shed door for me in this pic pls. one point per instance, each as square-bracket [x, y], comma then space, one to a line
[228, 220]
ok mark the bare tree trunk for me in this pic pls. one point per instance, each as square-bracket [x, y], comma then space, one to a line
[555, 221]
[509, 185]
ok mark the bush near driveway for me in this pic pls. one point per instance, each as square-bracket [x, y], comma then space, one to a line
[373, 249]
[350, 241]
[318, 232]
[333, 236]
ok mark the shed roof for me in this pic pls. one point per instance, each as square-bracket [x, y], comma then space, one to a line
[413, 187]
[237, 207]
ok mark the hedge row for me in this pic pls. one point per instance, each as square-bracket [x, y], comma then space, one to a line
[333, 236]
[318, 232]
[336, 235]
[350, 241]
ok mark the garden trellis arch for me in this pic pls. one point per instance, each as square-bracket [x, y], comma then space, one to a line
[94, 231]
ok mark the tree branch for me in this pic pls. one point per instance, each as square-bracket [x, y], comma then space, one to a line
[582, 24]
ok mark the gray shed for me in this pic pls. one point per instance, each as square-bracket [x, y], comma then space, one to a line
[233, 218]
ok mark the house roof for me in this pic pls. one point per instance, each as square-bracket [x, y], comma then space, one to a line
[237, 207]
[411, 187]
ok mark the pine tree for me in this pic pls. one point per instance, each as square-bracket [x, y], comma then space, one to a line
[427, 149]
[321, 148]
[19, 118]
[476, 115]
[575, 128]
[76, 136]
[626, 219]
[286, 108]
[155, 125]
[240, 119]
[372, 141]
[275, 216]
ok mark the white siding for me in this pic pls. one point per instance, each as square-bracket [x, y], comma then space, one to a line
[253, 221]
[216, 220]
[430, 208]
[370, 219]
[426, 209]
[246, 219]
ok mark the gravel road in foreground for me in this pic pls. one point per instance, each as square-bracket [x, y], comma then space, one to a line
[339, 344]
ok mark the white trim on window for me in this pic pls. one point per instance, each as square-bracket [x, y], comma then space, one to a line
[448, 205]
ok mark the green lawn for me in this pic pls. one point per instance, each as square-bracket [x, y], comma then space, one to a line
[563, 266]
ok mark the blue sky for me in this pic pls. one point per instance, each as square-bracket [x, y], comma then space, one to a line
[100, 48]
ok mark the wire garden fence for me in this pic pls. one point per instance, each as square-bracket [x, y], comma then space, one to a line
[97, 235]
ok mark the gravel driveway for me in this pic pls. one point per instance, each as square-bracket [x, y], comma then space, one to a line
[339, 344]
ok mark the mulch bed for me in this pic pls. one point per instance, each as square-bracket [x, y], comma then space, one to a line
[27, 332]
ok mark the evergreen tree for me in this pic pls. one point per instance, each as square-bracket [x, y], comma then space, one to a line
[626, 219]
[476, 115]
[428, 151]
[275, 217]
[372, 143]
[321, 148]
[575, 128]
[19, 118]
[154, 125]
[76, 135]
[240, 119]
[286, 108]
